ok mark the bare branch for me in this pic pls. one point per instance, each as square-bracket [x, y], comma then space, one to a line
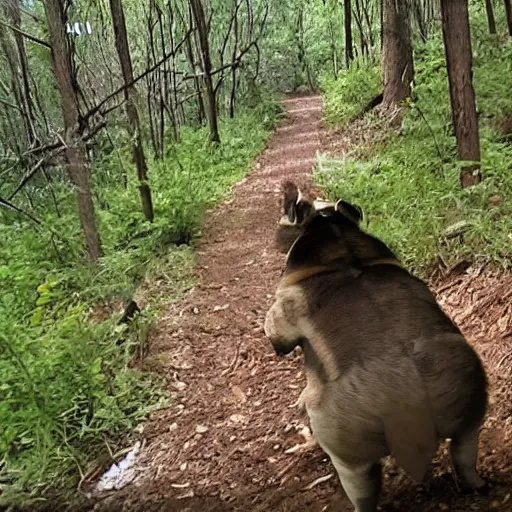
[10, 206]
[10, 105]
[121, 89]
[30, 37]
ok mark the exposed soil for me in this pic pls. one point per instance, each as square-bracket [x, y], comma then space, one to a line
[222, 445]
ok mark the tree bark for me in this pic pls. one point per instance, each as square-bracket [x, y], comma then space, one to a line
[490, 16]
[508, 13]
[211, 103]
[75, 152]
[138, 156]
[457, 42]
[349, 45]
[397, 59]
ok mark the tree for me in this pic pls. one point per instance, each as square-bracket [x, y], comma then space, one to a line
[139, 158]
[349, 45]
[490, 16]
[12, 9]
[211, 100]
[75, 150]
[457, 43]
[397, 58]
[508, 13]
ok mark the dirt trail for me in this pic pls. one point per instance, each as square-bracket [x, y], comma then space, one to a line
[222, 445]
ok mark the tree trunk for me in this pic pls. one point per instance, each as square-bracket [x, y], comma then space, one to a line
[123, 51]
[419, 14]
[508, 13]
[397, 59]
[75, 152]
[490, 16]
[349, 45]
[13, 10]
[211, 103]
[457, 42]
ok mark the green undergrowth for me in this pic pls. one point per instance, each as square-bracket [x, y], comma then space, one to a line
[68, 392]
[347, 96]
[408, 185]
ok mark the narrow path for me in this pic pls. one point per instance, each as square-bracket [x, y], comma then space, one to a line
[222, 447]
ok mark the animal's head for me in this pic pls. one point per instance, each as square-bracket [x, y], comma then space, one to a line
[300, 209]
[319, 236]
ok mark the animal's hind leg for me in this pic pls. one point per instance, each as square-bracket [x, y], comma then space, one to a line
[464, 453]
[361, 484]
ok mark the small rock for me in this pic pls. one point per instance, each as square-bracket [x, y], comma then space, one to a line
[195, 311]
[183, 467]
[173, 426]
[237, 418]
[495, 200]
[221, 308]
[239, 394]
[457, 229]
[201, 429]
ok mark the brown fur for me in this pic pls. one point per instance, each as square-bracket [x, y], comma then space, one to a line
[388, 372]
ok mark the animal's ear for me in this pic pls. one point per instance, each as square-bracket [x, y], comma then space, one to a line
[296, 207]
[290, 200]
[350, 211]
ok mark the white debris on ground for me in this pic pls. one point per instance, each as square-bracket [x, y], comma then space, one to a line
[121, 473]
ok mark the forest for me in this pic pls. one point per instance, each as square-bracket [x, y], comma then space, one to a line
[125, 125]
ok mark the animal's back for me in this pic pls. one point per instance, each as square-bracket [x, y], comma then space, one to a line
[396, 350]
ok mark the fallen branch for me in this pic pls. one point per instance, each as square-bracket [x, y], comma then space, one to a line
[10, 206]
[32, 172]
[318, 481]
[377, 100]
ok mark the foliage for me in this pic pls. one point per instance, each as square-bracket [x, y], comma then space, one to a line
[68, 389]
[408, 186]
[346, 96]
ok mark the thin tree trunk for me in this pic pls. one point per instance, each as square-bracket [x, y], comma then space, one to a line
[457, 42]
[349, 45]
[139, 158]
[490, 16]
[419, 14]
[75, 150]
[508, 13]
[232, 96]
[397, 59]
[13, 7]
[211, 104]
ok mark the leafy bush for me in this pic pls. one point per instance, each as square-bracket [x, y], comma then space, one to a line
[345, 97]
[67, 389]
[409, 187]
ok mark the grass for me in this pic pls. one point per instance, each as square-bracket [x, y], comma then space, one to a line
[68, 392]
[408, 185]
[345, 97]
